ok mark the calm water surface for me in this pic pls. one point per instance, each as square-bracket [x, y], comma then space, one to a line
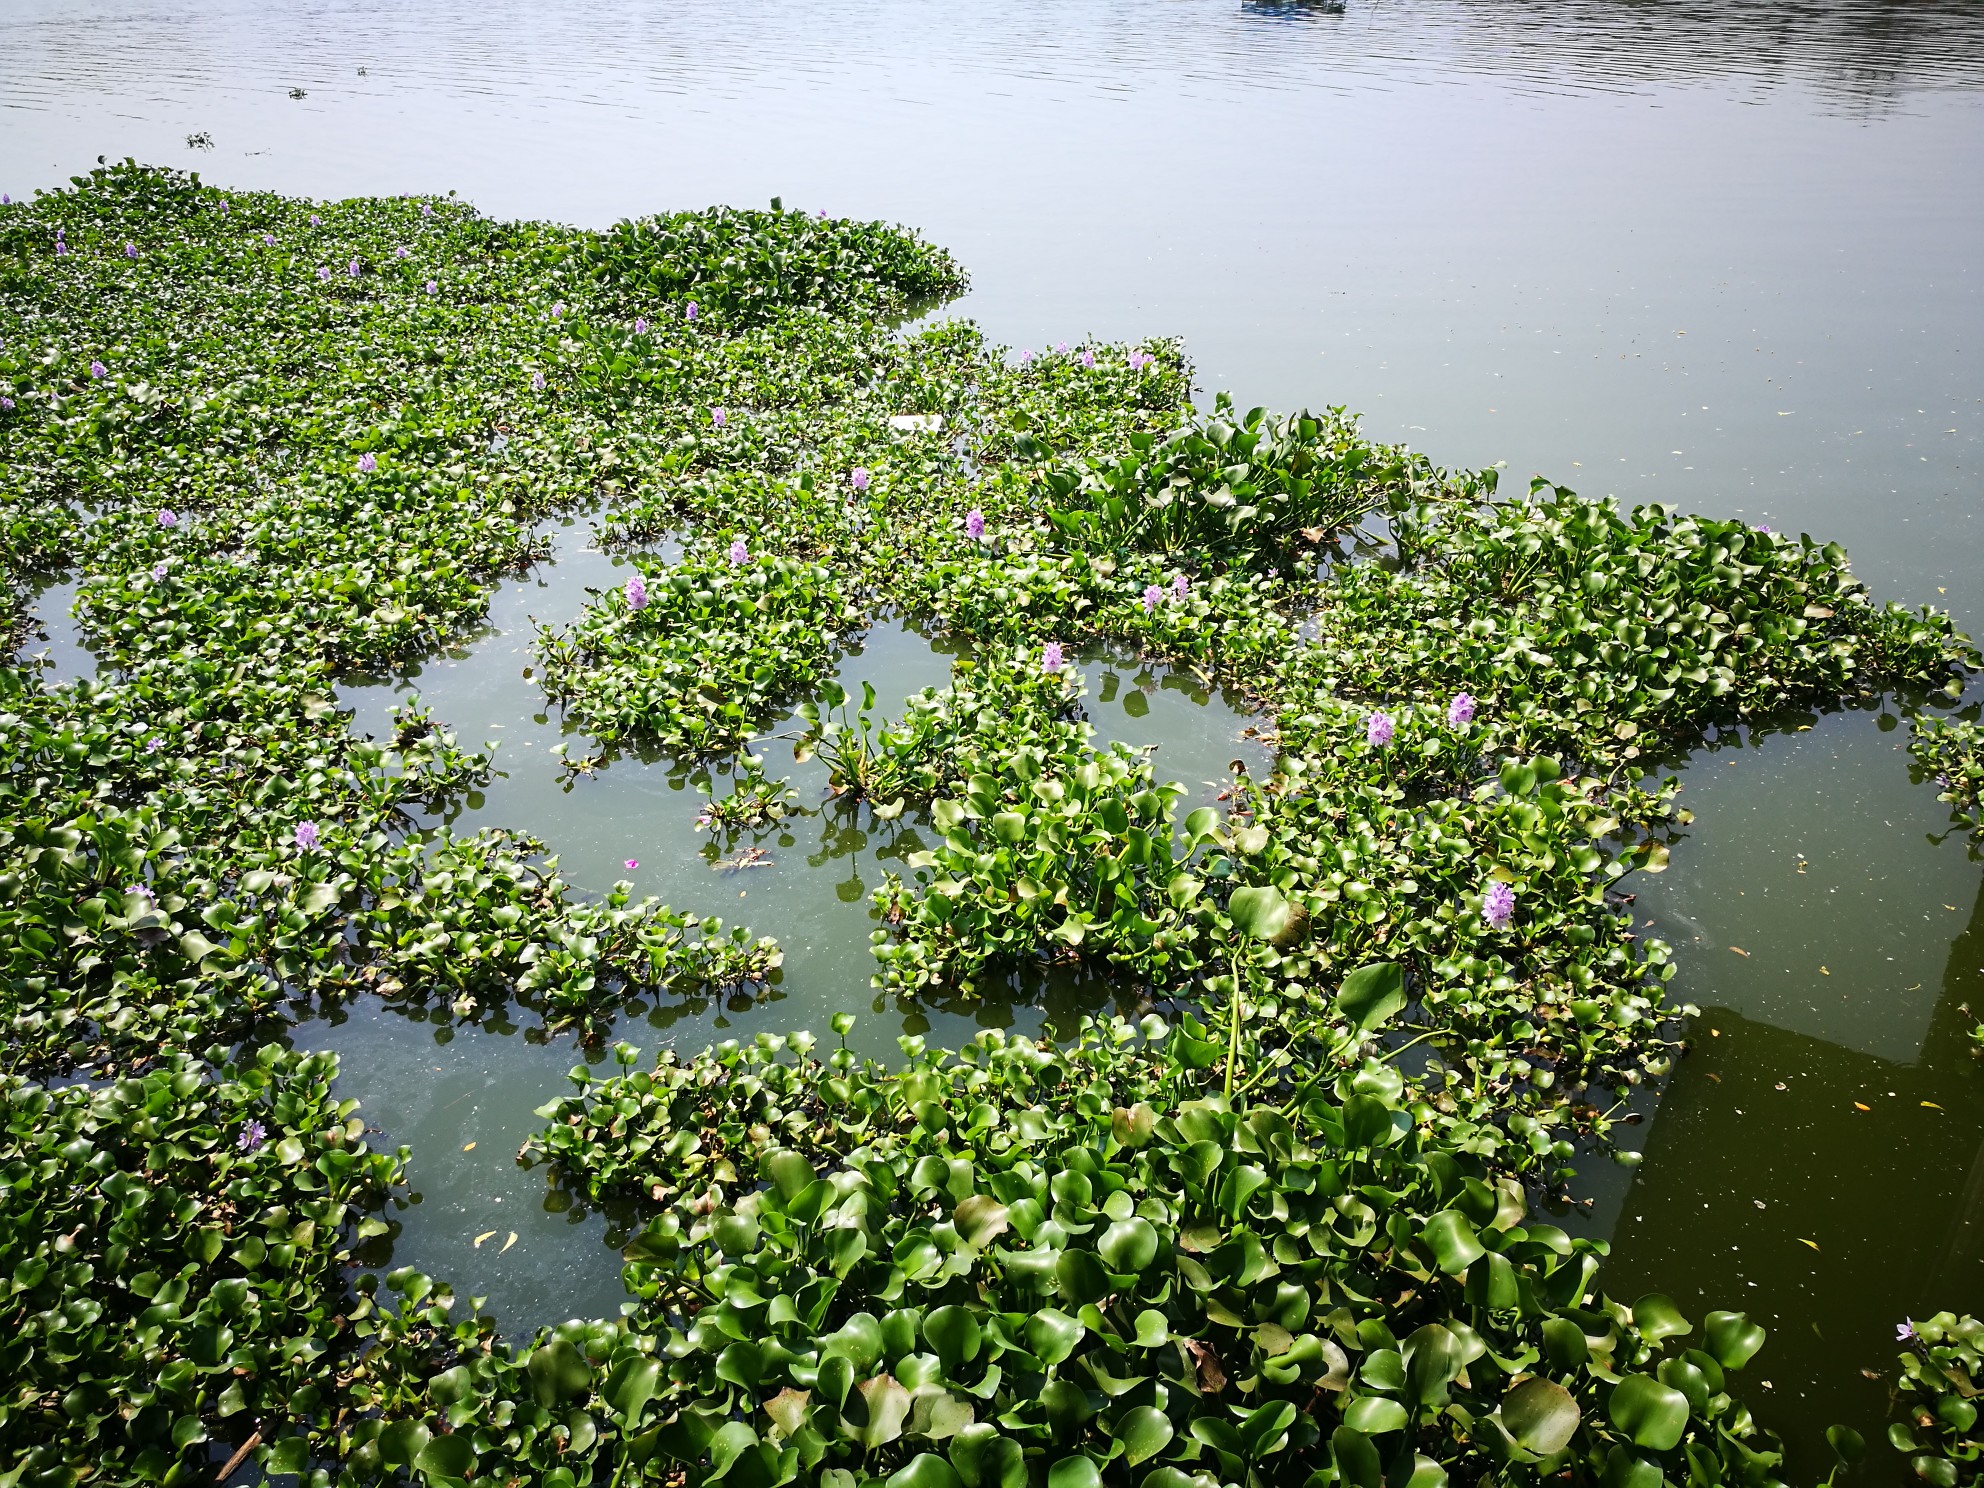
[1725, 256]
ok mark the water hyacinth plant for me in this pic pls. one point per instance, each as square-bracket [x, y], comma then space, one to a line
[1238, 1240]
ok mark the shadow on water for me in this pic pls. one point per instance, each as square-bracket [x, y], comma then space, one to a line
[1817, 1159]
[462, 1095]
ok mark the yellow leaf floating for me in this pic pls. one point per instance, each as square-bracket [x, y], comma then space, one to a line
[1861, 1106]
[482, 1237]
[1803, 1241]
[509, 1242]
[1931, 1105]
[468, 1147]
[1739, 950]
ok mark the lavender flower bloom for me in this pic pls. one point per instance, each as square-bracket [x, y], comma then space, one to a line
[269, 240]
[354, 268]
[1026, 354]
[153, 746]
[315, 220]
[1061, 347]
[637, 593]
[739, 554]
[158, 573]
[130, 250]
[143, 891]
[640, 326]
[223, 209]
[306, 835]
[1153, 597]
[1460, 712]
[97, 369]
[252, 1136]
[401, 252]
[1379, 729]
[1050, 657]
[5, 200]
[1498, 904]
[1904, 1331]
[61, 248]
[426, 209]
[632, 864]
[6, 405]
[1088, 358]
[432, 287]
[690, 313]
[974, 525]
[1179, 585]
[168, 518]
[716, 417]
[558, 310]
[823, 214]
[537, 382]
[858, 477]
[367, 464]
[323, 276]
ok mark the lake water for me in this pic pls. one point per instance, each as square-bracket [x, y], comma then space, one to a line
[1729, 257]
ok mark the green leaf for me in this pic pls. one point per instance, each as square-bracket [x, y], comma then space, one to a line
[1051, 1335]
[980, 1219]
[1651, 1413]
[1658, 1318]
[1259, 911]
[1144, 1431]
[446, 1457]
[558, 1372]
[1374, 1415]
[1356, 1458]
[1128, 1245]
[954, 1333]
[1453, 1242]
[1372, 996]
[731, 1442]
[1073, 1472]
[924, 1470]
[1732, 1338]
[1540, 1414]
[791, 1173]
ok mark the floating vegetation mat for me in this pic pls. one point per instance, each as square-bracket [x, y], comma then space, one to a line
[1276, 1230]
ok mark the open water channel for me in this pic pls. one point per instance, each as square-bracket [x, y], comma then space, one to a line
[1725, 256]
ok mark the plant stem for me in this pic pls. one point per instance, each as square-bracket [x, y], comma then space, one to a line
[1233, 1027]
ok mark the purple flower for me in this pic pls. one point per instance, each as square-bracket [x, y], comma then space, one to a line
[6, 405]
[306, 835]
[158, 573]
[97, 369]
[823, 214]
[269, 239]
[1140, 360]
[153, 746]
[739, 554]
[1088, 357]
[640, 326]
[432, 287]
[367, 464]
[537, 382]
[426, 209]
[690, 312]
[143, 891]
[716, 417]
[323, 276]
[632, 864]
[401, 252]
[858, 477]
[354, 268]
[1153, 597]
[1762, 528]
[130, 250]
[1026, 354]
[1050, 657]
[974, 524]
[61, 248]
[1379, 729]
[637, 593]
[5, 200]
[168, 518]
[1179, 585]
[223, 209]
[1498, 904]
[1904, 1331]
[557, 310]
[315, 220]
[252, 1136]
[1460, 712]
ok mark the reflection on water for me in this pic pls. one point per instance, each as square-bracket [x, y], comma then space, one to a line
[1818, 1158]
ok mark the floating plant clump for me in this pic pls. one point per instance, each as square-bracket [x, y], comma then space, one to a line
[1275, 1228]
